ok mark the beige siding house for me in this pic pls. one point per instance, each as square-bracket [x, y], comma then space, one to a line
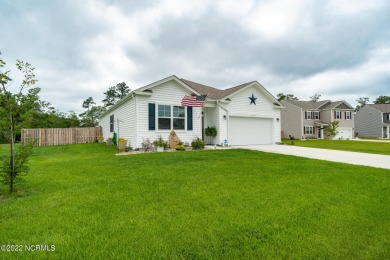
[152, 111]
[307, 119]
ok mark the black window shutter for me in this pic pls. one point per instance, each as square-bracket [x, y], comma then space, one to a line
[152, 116]
[189, 119]
[112, 123]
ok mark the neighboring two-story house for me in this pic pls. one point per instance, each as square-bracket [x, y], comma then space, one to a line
[307, 119]
[373, 120]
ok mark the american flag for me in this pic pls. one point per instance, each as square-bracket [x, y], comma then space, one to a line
[194, 101]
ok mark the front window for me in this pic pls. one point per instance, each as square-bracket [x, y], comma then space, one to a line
[317, 115]
[178, 118]
[308, 115]
[164, 117]
[337, 115]
[309, 130]
[171, 117]
[348, 115]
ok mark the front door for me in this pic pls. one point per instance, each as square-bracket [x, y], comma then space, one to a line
[319, 136]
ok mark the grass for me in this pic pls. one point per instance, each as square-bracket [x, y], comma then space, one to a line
[224, 204]
[345, 145]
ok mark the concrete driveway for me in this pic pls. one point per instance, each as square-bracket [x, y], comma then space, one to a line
[366, 159]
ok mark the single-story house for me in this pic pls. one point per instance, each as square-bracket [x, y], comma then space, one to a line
[373, 120]
[307, 119]
[243, 115]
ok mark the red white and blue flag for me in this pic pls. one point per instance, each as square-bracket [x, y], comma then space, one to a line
[194, 101]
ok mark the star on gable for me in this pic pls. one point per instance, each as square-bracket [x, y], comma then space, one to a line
[253, 100]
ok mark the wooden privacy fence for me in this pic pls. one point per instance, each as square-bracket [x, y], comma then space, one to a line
[61, 136]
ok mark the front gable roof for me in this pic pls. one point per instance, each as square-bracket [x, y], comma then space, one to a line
[226, 94]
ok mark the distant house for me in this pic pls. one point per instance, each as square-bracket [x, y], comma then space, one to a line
[243, 115]
[373, 120]
[307, 119]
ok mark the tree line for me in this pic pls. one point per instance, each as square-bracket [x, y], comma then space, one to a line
[33, 112]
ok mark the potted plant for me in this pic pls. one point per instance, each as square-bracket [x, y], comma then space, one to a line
[160, 144]
[211, 132]
[100, 139]
[122, 143]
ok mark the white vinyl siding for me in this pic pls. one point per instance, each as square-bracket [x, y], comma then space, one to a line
[168, 93]
[264, 108]
[124, 122]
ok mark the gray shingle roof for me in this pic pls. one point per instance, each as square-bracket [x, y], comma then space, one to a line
[311, 105]
[213, 93]
[381, 107]
[307, 104]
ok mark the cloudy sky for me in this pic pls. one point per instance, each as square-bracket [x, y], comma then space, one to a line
[337, 48]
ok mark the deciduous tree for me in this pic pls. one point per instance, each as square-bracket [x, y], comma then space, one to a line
[382, 100]
[361, 103]
[14, 107]
[282, 96]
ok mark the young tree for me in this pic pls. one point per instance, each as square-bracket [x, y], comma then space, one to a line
[331, 129]
[382, 100]
[14, 107]
[315, 98]
[115, 93]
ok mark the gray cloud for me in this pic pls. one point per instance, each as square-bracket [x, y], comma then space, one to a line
[301, 47]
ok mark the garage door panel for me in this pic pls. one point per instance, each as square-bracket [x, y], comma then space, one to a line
[249, 130]
[344, 133]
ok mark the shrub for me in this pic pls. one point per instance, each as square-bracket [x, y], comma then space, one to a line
[160, 142]
[180, 147]
[197, 144]
[211, 131]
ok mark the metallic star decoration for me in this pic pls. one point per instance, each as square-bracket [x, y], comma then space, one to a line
[253, 99]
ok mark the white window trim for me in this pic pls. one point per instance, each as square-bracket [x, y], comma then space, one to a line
[316, 115]
[171, 117]
[309, 127]
[308, 115]
[348, 115]
[338, 114]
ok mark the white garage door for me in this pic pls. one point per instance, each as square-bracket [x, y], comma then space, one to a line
[249, 130]
[344, 133]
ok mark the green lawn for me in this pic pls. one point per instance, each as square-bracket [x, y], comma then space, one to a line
[224, 204]
[345, 145]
